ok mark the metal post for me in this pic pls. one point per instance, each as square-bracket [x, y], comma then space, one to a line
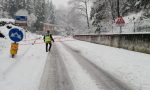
[134, 26]
[118, 11]
[120, 29]
[118, 8]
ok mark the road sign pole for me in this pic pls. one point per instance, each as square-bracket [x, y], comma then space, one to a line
[134, 27]
[120, 29]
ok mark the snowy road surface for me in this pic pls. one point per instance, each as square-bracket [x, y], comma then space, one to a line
[57, 75]
[103, 79]
[72, 65]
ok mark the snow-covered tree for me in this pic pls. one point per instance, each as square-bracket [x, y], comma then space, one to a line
[135, 6]
[101, 12]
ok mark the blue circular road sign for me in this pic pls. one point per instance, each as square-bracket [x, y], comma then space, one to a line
[16, 35]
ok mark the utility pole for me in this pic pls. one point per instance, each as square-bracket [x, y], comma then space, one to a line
[118, 11]
[118, 8]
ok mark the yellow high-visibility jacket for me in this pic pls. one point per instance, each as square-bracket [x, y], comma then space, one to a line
[48, 38]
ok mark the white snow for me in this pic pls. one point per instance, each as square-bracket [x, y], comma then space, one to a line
[25, 70]
[22, 12]
[7, 20]
[128, 66]
[137, 3]
[80, 78]
[129, 18]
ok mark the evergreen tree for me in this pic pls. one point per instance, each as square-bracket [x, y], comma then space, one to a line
[100, 12]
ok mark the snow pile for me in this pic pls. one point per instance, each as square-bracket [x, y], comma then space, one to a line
[7, 20]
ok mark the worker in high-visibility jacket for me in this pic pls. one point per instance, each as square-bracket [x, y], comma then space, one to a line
[48, 41]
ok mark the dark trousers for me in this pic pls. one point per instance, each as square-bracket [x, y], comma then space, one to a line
[48, 48]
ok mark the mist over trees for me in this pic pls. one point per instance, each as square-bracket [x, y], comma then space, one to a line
[71, 22]
[74, 18]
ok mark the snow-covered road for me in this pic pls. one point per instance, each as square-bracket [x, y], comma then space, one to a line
[73, 65]
[55, 75]
[104, 80]
[67, 69]
[131, 68]
[97, 67]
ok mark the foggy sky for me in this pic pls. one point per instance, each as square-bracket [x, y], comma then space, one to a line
[59, 3]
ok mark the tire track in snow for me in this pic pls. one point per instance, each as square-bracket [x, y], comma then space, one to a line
[80, 78]
[103, 78]
[55, 76]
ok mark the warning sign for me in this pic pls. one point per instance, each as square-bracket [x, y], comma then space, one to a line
[14, 48]
[120, 21]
